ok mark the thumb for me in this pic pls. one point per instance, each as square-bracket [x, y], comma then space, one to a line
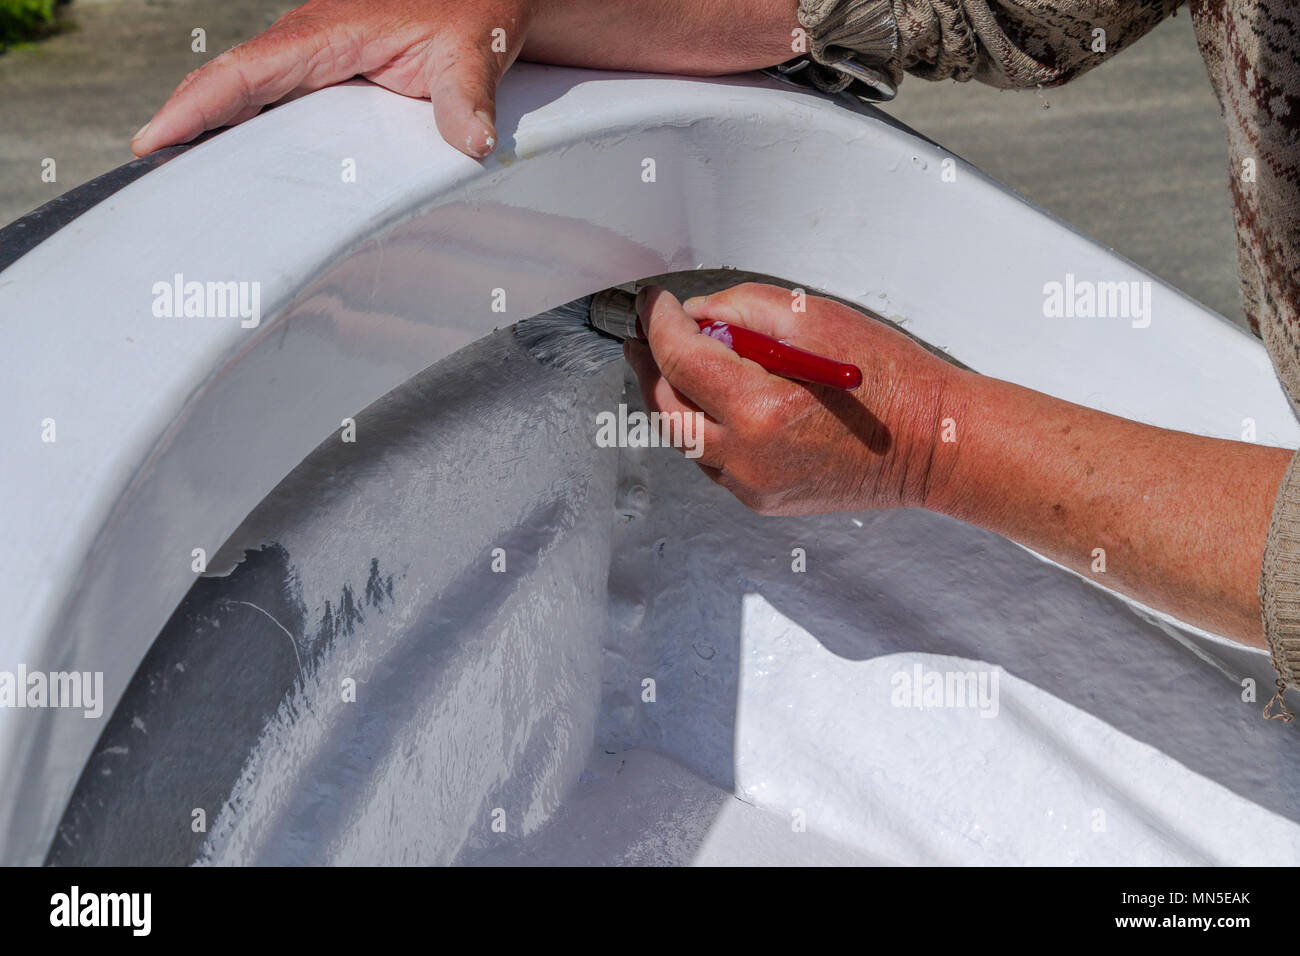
[464, 90]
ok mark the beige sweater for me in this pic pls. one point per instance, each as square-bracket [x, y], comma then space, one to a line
[1252, 51]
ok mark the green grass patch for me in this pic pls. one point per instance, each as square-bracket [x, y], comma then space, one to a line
[22, 20]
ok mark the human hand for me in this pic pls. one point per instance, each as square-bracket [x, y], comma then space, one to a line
[788, 448]
[455, 53]
[1074, 484]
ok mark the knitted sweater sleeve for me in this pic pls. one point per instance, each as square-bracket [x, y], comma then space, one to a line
[1005, 43]
[1252, 51]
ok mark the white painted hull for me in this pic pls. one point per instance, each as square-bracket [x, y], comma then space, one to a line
[1119, 737]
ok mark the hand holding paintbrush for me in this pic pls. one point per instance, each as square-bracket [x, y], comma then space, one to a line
[574, 336]
[615, 313]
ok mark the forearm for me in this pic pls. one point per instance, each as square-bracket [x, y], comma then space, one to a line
[699, 37]
[1180, 520]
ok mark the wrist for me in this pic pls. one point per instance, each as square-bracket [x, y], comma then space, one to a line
[941, 431]
[680, 36]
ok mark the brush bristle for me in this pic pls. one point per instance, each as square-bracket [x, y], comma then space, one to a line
[563, 339]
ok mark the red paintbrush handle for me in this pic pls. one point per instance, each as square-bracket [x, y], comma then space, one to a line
[782, 359]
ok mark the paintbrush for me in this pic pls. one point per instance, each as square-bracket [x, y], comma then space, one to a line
[587, 334]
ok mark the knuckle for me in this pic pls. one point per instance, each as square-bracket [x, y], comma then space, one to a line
[752, 292]
[464, 55]
[728, 295]
[766, 419]
[673, 362]
[764, 416]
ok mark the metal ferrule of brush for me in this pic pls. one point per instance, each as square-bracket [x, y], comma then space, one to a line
[614, 313]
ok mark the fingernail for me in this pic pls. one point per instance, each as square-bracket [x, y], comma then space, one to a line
[140, 132]
[489, 136]
[694, 302]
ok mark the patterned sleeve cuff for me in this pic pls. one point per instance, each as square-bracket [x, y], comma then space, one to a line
[837, 28]
[1279, 584]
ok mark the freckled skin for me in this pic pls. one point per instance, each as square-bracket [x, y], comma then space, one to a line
[443, 50]
[788, 448]
[1182, 518]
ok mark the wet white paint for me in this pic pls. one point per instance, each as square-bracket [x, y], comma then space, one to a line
[171, 432]
[476, 688]
[775, 734]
